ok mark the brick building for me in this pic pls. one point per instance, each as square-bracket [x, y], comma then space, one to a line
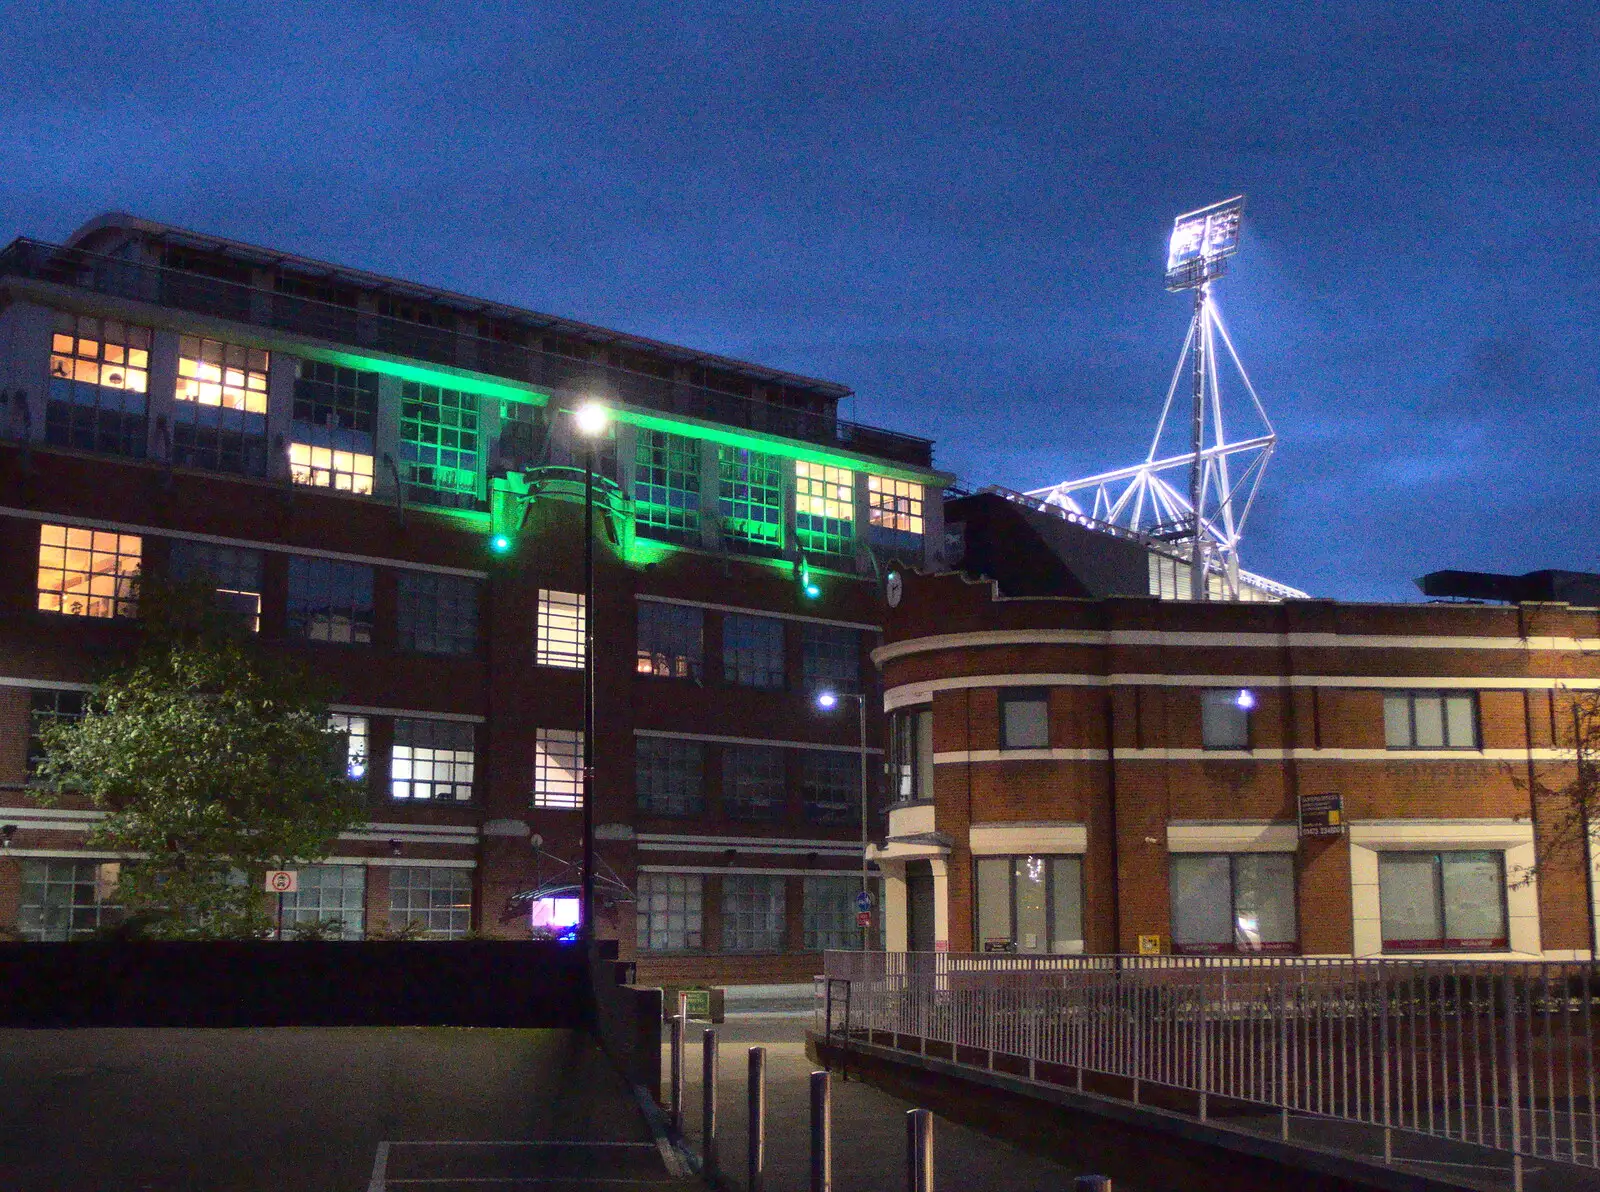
[1086, 772]
[386, 480]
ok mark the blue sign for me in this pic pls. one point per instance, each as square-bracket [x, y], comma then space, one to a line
[863, 902]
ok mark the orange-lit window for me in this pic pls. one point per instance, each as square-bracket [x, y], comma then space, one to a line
[894, 505]
[213, 373]
[88, 573]
[100, 352]
[328, 467]
[824, 508]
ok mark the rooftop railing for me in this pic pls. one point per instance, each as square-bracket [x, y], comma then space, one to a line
[220, 298]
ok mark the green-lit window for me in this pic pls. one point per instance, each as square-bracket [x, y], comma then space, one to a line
[824, 508]
[439, 445]
[666, 485]
[750, 499]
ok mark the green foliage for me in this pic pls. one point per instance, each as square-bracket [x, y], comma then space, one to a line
[214, 762]
[411, 929]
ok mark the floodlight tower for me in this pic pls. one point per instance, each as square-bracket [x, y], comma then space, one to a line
[1139, 497]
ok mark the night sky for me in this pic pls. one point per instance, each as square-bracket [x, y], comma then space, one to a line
[958, 210]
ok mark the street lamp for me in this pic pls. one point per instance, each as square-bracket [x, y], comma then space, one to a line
[590, 421]
[827, 701]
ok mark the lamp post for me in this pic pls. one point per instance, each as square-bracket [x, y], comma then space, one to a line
[590, 421]
[827, 701]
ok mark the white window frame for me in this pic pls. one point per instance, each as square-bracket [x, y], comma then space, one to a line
[558, 769]
[560, 634]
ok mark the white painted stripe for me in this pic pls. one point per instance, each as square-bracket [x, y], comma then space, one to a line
[714, 739]
[51, 813]
[64, 519]
[649, 1146]
[757, 612]
[72, 854]
[463, 829]
[797, 842]
[921, 692]
[1199, 640]
[407, 713]
[749, 847]
[404, 862]
[749, 871]
[44, 684]
[955, 756]
[409, 838]
[380, 1165]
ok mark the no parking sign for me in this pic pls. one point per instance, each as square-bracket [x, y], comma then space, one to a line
[283, 881]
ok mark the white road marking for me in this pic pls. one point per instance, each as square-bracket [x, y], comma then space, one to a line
[380, 1165]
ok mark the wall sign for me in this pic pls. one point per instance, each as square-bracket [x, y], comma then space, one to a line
[1321, 815]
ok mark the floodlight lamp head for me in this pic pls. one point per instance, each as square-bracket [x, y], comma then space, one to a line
[827, 699]
[591, 419]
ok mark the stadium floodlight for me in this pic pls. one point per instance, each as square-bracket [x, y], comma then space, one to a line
[1201, 241]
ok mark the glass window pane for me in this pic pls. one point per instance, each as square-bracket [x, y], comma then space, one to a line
[924, 773]
[1397, 721]
[1025, 722]
[994, 903]
[1201, 902]
[1066, 905]
[1224, 723]
[1474, 899]
[1032, 919]
[1409, 902]
[1263, 902]
[1429, 710]
[1460, 724]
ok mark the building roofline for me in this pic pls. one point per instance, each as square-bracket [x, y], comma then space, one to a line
[123, 221]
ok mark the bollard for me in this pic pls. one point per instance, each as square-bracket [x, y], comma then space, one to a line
[919, 1151]
[821, 1133]
[675, 1100]
[708, 1104]
[756, 1171]
[1092, 1183]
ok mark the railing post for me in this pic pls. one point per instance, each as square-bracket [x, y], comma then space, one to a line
[919, 1151]
[1512, 1085]
[821, 1133]
[708, 1104]
[675, 1098]
[756, 1102]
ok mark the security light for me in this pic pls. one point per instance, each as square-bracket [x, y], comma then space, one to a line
[1245, 699]
[591, 419]
[827, 699]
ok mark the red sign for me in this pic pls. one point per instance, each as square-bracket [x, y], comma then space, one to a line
[863, 918]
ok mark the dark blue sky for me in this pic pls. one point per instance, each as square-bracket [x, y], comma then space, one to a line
[958, 210]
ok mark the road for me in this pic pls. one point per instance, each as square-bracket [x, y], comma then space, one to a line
[315, 1110]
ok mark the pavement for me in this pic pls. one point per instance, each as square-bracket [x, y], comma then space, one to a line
[869, 1141]
[318, 1110]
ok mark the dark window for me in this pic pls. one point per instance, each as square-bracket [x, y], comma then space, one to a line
[432, 760]
[235, 573]
[752, 913]
[47, 707]
[1434, 902]
[1225, 718]
[752, 782]
[667, 775]
[330, 601]
[750, 499]
[752, 651]
[911, 755]
[439, 445]
[830, 658]
[64, 900]
[1232, 902]
[830, 785]
[329, 396]
[670, 640]
[1430, 719]
[1024, 719]
[666, 485]
[438, 614]
[1030, 904]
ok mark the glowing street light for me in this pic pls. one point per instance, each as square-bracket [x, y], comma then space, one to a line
[590, 421]
[828, 700]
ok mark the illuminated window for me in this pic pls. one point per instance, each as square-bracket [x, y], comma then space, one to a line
[1232, 902]
[750, 499]
[328, 467]
[752, 782]
[666, 485]
[357, 734]
[668, 775]
[830, 658]
[234, 572]
[894, 512]
[334, 895]
[63, 900]
[824, 508]
[752, 913]
[670, 912]
[1225, 718]
[433, 898]
[432, 759]
[99, 374]
[752, 651]
[1030, 904]
[439, 445]
[1434, 902]
[220, 411]
[47, 708]
[88, 573]
[329, 601]
[561, 616]
[671, 638]
[558, 768]
[438, 614]
[830, 786]
[1430, 719]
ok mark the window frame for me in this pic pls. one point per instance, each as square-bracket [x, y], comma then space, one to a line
[1235, 947]
[896, 512]
[455, 419]
[910, 766]
[1213, 697]
[294, 913]
[821, 644]
[1444, 695]
[812, 768]
[759, 660]
[1446, 943]
[675, 757]
[750, 500]
[552, 746]
[1011, 860]
[688, 889]
[121, 603]
[667, 486]
[668, 619]
[459, 882]
[84, 413]
[825, 512]
[438, 737]
[1023, 695]
[438, 614]
[220, 398]
[736, 806]
[105, 912]
[37, 715]
[742, 934]
[321, 587]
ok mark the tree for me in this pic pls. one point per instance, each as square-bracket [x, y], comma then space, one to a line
[213, 760]
[1569, 811]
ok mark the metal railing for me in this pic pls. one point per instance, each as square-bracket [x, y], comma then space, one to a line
[164, 286]
[1498, 1054]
